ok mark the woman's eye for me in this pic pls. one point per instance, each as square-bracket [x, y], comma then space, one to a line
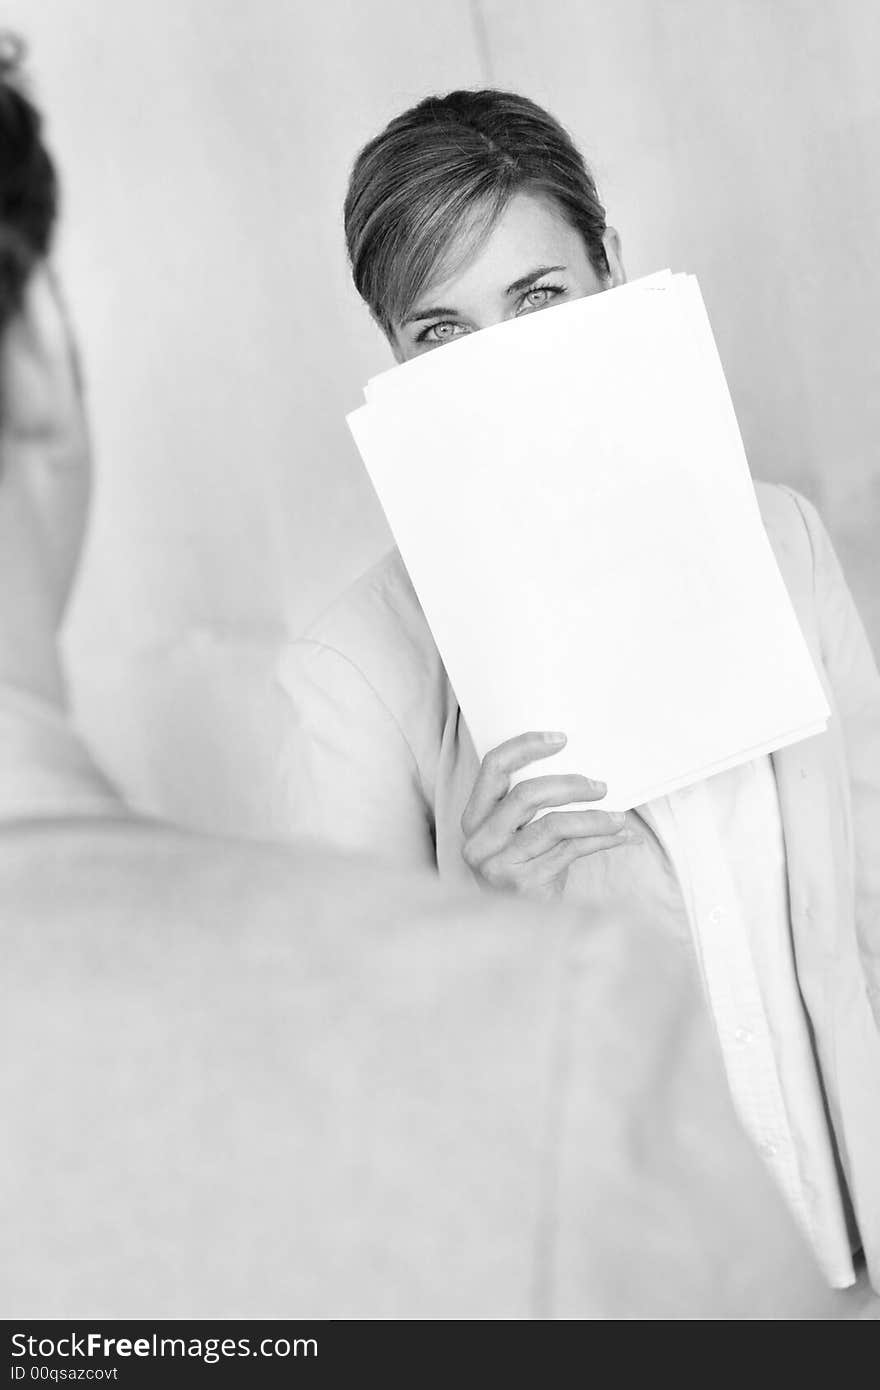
[442, 332]
[537, 298]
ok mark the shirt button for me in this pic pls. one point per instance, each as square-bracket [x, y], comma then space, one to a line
[716, 916]
[768, 1149]
[804, 774]
[744, 1035]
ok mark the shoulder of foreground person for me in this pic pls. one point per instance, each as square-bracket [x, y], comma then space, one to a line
[320, 1089]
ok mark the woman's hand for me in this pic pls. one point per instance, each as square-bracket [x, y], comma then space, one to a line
[502, 845]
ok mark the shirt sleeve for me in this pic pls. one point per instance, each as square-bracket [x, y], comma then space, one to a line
[852, 669]
[348, 775]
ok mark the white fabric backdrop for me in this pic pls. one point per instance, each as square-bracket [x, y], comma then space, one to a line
[205, 146]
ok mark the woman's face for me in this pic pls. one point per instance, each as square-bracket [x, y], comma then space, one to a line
[531, 260]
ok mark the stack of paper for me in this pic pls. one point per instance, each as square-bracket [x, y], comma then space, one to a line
[571, 498]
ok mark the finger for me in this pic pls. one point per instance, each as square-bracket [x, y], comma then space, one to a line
[565, 854]
[560, 826]
[519, 806]
[523, 801]
[503, 871]
[499, 764]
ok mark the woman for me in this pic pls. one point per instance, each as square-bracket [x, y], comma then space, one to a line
[468, 210]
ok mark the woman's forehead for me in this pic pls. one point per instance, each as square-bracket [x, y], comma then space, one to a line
[530, 232]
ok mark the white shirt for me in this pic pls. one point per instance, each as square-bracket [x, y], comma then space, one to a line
[725, 839]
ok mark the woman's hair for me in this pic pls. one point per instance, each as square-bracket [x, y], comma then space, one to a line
[28, 184]
[438, 177]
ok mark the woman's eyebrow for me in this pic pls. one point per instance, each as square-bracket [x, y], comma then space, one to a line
[536, 274]
[439, 312]
[418, 314]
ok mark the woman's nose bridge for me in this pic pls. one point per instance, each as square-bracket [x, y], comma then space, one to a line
[492, 315]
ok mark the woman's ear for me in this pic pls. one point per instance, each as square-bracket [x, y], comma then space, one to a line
[614, 254]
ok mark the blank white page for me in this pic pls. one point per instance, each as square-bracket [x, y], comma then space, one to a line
[571, 499]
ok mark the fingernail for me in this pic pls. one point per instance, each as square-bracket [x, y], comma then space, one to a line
[601, 787]
[618, 817]
[554, 738]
